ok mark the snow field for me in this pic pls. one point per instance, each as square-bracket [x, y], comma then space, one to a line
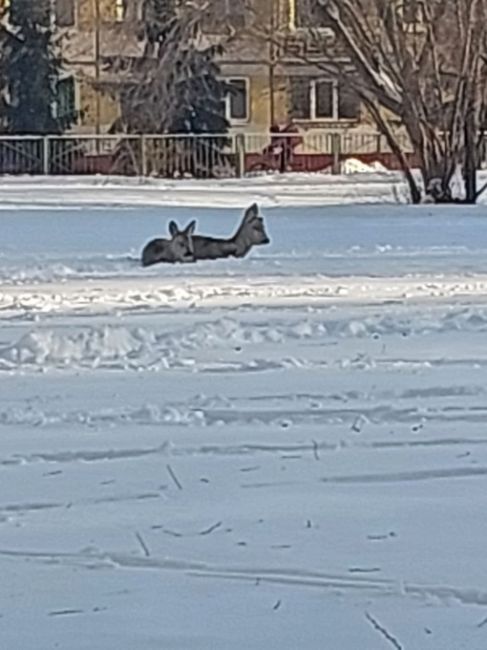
[287, 451]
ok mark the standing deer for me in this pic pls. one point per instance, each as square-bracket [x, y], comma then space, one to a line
[251, 232]
[177, 249]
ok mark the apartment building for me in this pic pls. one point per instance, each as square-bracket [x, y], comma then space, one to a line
[87, 32]
[269, 58]
[272, 60]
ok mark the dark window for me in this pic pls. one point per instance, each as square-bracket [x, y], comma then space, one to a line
[300, 98]
[237, 100]
[348, 103]
[65, 13]
[323, 94]
[319, 99]
[65, 106]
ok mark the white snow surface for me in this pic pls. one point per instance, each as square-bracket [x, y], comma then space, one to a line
[332, 495]
[369, 183]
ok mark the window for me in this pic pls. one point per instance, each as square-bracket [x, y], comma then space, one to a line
[64, 13]
[348, 103]
[112, 11]
[324, 95]
[309, 14]
[120, 7]
[237, 101]
[222, 14]
[322, 99]
[65, 104]
[300, 98]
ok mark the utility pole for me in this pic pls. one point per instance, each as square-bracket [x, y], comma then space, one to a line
[273, 55]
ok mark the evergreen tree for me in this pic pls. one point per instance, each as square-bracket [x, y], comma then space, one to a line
[175, 88]
[29, 72]
[201, 96]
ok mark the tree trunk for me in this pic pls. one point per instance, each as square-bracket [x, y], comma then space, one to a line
[470, 164]
[395, 147]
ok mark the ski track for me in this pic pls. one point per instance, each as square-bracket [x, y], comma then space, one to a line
[320, 438]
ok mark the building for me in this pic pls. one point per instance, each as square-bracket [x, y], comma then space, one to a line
[274, 64]
[87, 29]
[263, 60]
[270, 58]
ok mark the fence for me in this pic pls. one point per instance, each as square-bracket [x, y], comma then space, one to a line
[196, 156]
[144, 155]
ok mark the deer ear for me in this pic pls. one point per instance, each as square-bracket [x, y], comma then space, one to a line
[251, 213]
[173, 228]
[189, 230]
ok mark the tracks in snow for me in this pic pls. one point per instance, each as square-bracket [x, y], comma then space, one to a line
[94, 559]
[105, 296]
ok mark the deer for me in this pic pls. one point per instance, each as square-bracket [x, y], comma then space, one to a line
[177, 249]
[251, 232]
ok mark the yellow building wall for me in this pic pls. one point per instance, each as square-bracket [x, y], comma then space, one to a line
[269, 102]
[247, 55]
[87, 12]
[95, 105]
[281, 100]
[259, 103]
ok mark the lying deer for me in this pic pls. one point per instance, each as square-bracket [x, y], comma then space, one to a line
[251, 232]
[177, 249]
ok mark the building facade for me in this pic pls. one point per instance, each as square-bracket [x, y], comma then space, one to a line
[272, 60]
[269, 59]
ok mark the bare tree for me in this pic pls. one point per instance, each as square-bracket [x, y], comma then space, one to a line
[419, 64]
[425, 63]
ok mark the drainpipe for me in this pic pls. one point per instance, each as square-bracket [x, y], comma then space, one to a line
[96, 12]
[274, 19]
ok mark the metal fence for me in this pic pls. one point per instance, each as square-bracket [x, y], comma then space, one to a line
[192, 156]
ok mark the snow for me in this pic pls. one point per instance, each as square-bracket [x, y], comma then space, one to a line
[283, 451]
[371, 182]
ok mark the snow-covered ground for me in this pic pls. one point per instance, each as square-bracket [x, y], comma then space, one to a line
[270, 190]
[332, 495]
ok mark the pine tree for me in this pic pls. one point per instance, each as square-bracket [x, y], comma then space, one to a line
[201, 96]
[175, 88]
[30, 72]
